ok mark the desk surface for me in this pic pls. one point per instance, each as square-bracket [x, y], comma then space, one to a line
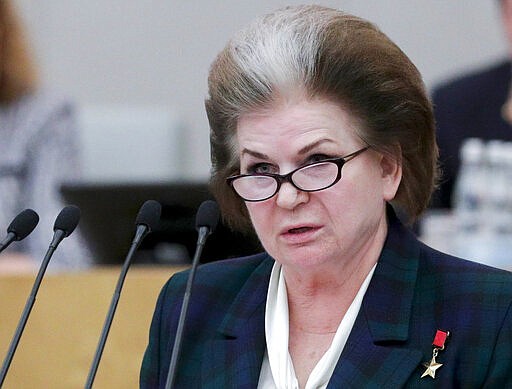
[63, 330]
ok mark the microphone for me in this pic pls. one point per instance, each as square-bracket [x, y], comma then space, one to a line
[21, 226]
[65, 223]
[206, 221]
[147, 220]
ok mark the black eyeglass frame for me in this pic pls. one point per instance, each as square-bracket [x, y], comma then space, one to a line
[281, 179]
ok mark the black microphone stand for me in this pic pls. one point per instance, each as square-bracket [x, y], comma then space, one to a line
[171, 374]
[142, 230]
[59, 235]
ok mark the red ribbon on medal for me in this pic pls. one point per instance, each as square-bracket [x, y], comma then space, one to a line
[440, 339]
[438, 343]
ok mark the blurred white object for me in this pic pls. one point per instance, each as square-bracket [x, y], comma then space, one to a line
[130, 144]
[470, 186]
[469, 194]
[480, 226]
[497, 206]
[438, 229]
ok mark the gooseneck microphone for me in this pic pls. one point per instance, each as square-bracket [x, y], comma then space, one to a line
[21, 226]
[65, 223]
[206, 221]
[147, 220]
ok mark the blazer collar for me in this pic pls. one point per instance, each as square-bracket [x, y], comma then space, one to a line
[233, 358]
[377, 351]
[249, 301]
[388, 301]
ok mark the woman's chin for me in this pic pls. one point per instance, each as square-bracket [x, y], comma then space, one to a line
[306, 257]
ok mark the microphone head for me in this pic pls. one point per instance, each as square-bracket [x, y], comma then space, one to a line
[67, 219]
[149, 214]
[23, 224]
[208, 215]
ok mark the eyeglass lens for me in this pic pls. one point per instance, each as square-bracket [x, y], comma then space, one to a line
[309, 178]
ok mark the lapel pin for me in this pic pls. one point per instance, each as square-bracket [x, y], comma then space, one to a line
[438, 343]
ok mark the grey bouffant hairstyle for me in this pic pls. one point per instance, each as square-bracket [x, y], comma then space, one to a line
[323, 53]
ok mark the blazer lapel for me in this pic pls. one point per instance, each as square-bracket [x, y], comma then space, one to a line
[233, 359]
[376, 351]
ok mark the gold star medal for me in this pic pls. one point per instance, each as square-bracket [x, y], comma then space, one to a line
[438, 343]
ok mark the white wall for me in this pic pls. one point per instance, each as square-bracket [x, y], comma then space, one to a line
[158, 51]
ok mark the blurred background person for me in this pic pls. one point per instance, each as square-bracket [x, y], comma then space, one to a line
[38, 152]
[475, 105]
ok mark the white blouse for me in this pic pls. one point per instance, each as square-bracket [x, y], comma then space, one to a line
[277, 370]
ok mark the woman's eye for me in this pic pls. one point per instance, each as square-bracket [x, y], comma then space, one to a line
[260, 168]
[318, 158]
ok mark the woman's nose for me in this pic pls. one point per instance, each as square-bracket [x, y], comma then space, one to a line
[289, 197]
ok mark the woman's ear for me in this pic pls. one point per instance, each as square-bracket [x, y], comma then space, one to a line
[391, 170]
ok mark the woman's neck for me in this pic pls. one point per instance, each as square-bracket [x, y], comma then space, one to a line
[314, 292]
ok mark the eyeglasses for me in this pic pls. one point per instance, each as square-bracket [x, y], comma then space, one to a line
[309, 178]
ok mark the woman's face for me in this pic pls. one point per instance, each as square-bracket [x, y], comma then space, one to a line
[307, 229]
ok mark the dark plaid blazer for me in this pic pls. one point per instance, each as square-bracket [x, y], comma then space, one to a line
[414, 291]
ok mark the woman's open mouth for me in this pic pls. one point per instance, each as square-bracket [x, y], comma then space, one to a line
[299, 230]
[298, 235]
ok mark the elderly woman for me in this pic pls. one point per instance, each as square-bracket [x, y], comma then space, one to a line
[321, 133]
